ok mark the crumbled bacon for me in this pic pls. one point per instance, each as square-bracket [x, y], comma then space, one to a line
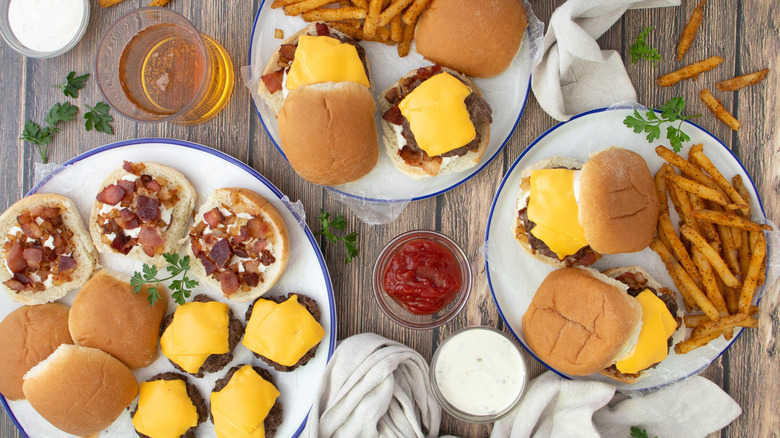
[33, 257]
[153, 185]
[229, 281]
[213, 217]
[128, 166]
[242, 236]
[287, 51]
[150, 236]
[119, 244]
[394, 116]
[148, 208]
[257, 228]
[111, 195]
[273, 81]
[322, 29]
[208, 265]
[221, 253]
[32, 230]
[266, 258]
[15, 258]
[65, 263]
[45, 212]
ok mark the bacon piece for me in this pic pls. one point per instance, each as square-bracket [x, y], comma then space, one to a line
[32, 230]
[14, 285]
[427, 72]
[150, 236]
[127, 214]
[130, 167]
[250, 279]
[259, 246]
[209, 240]
[229, 282]
[322, 29]
[251, 266]
[119, 243]
[208, 265]
[153, 185]
[45, 212]
[111, 194]
[221, 252]
[258, 229]
[148, 208]
[240, 252]
[213, 217]
[33, 257]
[242, 236]
[273, 81]
[287, 51]
[266, 258]
[21, 278]
[25, 218]
[588, 258]
[394, 116]
[196, 248]
[127, 186]
[60, 243]
[15, 258]
[65, 263]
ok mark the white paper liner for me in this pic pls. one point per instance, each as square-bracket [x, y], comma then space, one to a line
[514, 275]
[382, 195]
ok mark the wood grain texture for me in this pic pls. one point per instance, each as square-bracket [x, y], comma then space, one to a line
[745, 34]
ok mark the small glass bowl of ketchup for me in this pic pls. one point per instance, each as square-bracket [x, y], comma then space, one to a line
[421, 279]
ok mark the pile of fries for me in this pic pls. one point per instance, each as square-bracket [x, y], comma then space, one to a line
[389, 22]
[719, 259]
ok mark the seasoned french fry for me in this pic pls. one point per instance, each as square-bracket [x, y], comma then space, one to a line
[684, 281]
[739, 186]
[683, 205]
[730, 295]
[413, 11]
[744, 254]
[107, 3]
[751, 279]
[660, 188]
[334, 14]
[742, 81]
[709, 282]
[395, 8]
[397, 28]
[697, 156]
[352, 31]
[692, 321]
[692, 343]
[707, 229]
[678, 248]
[708, 328]
[730, 219]
[689, 71]
[689, 33]
[363, 4]
[158, 3]
[719, 110]
[685, 166]
[699, 189]
[714, 258]
[305, 6]
[371, 24]
[406, 42]
[280, 3]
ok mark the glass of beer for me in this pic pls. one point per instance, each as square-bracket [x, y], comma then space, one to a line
[152, 65]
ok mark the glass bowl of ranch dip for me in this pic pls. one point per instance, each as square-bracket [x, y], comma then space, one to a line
[478, 374]
[43, 28]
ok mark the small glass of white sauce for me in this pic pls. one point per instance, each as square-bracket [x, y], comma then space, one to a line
[478, 374]
[43, 28]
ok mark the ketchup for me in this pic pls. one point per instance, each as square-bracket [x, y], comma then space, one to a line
[423, 276]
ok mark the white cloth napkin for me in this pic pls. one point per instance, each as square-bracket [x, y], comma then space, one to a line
[374, 387]
[556, 407]
[575, 75]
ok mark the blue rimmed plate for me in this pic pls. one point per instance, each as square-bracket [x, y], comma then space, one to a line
[514, 275]
[207, 169]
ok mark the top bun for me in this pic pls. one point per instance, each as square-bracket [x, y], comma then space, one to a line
[580, 321]
[618, 202]
[328, 132]
[492, 28]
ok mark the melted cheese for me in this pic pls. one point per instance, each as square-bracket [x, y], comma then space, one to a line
[164, 409]
[240, 408]
[552, 205]
[197, 331]
[651, 347]
[437, 114]
[282, 332]
[325, 59]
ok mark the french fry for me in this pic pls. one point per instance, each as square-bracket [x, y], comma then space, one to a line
[730, 219]
[742, 81]
[751, 279]
[280, 3]
[413, 11]
[678, 248]
[697, 156]
[370, 25]
[699, 189]
[739, 186]
[692, 321]
[692, 343]
[709, 282]
[158, 3]
[395, 8]
[362, 4]
[397, 29]
[356, 33]
[689, 71]
[683, 206]
[712, 256]
[708, 328]
[660, 188]
[108, 3]
[744, 254]
[684, 281]
[730, 295]
[689, 33]
[334, 14]
[707, 229]
[305, 6]
[406, 42]
[685, 166]
[719, 110]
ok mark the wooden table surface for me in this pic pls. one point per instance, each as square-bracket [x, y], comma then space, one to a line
[746, 34]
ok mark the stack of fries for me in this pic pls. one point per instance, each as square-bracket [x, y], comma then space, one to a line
[389, 22]
[719, 259]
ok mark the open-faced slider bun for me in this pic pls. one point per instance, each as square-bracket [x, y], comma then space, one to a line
[283, 331]
[45, 251]
[434, 122]
[29, 335]
[106, 314]
[169, 405]
[142, 210]
[238, 244]
[245, 400]
[199, 337]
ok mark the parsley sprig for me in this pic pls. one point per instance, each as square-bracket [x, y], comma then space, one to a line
[639, 433]
[73, 84]
[671, 112]
[640, 49]
[181, 289]
[339, 223]
[99, 118]
[42, 137]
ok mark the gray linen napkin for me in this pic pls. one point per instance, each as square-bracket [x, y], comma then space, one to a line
[374, 387]
[575, 75]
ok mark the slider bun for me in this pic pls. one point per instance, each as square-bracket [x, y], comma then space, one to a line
[240, 200]
[106, 314]
[80, 390]
[459, 164]
[580, 321]
[180, 215]
[29, 335]
[328, 132]
[83, 252]
[477, 37]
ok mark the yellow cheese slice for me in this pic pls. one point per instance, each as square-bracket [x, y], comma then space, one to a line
[651, 347]
[197, 331]
[553, 207]
[437, 114]
[325, 59]
[282, 332]
[240, 408]
[164, 409]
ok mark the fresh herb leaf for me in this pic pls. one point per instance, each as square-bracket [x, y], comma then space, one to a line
[339, 223]
[61, 112]
[42, 137]
[650, 123]
[99, 118]
[73, 84]
[640, 49]
[180, 288]
[639, 433]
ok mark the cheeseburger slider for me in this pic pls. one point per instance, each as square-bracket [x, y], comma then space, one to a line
[568, 214]
[245, 404]
[434, 122]
[618, 323]
[477, 37]
[45, 251]
[284, 331]
[318, 86]
[169, 406]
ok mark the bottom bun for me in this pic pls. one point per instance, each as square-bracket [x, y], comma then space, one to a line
[80, 390]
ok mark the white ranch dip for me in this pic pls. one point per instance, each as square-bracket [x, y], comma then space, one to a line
[479, 371]
[45, 25]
